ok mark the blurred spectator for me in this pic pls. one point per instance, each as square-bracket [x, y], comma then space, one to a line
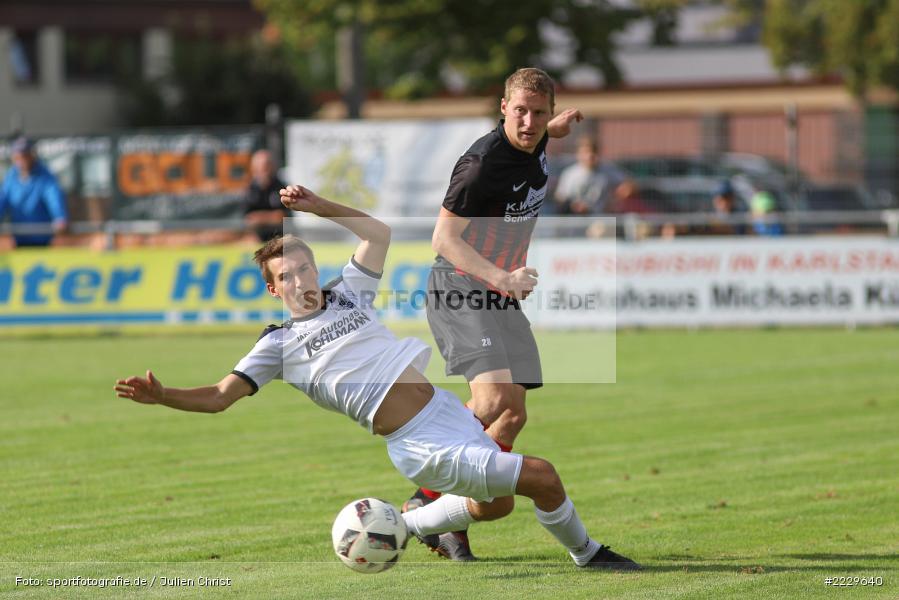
[723, 204]
[585, 186]
[31, 194]
[762, 205]
[263, 211]
[669, 231]
[629, 198]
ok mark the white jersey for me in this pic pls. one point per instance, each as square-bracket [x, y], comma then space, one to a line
[340, 356]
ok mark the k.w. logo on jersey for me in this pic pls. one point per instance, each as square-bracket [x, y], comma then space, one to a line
[543, 164]
[527, 208]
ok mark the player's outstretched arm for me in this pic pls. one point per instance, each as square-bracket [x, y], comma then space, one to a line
[208, 399]
[560, 126]
[375, 235]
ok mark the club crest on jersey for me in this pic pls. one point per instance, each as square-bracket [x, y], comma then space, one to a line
[343, 301]
[543, 163]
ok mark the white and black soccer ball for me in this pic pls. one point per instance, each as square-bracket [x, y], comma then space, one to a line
[369, 535]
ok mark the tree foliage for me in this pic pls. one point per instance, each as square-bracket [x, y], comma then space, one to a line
[410, 45]
[858, 39]
[215, 82]
[663, 15]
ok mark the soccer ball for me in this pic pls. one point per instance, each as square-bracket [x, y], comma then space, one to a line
[369, 535]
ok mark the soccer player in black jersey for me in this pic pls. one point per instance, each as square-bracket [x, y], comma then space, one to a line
[481, 239]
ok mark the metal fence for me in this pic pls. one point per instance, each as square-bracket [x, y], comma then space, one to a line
[630, 227]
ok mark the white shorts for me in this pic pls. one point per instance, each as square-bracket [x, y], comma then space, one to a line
[444, 448]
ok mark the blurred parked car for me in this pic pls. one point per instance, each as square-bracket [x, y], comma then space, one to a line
[746, 186]
[837, 198]
[632, 198]
[687, 184]
[670, 166]
[761, 168]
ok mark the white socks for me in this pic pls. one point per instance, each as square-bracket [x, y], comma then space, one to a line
[567, 527]
[450, 513]
[446, 513]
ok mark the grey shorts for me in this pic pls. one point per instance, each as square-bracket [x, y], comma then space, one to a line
[478, 330]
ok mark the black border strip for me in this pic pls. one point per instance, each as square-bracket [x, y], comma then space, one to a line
[368, 272]
[248, 379]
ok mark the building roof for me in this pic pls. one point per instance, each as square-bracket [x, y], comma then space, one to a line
[222, 16]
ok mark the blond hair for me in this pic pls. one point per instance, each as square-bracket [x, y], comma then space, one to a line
[533, 80]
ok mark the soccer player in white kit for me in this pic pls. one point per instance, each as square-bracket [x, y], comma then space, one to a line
[334, 350]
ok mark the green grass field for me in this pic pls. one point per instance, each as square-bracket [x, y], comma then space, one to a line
[732, 464]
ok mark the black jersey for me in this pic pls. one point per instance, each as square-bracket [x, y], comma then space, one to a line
[501, 189]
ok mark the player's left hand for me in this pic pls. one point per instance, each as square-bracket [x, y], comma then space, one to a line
[296, 197]
[560, 126]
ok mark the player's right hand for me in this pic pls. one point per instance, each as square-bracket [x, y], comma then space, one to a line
[520, 283]
[296, 197]
[147, 390]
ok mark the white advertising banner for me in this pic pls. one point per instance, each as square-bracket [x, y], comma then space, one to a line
[388, 168]
[716, 281]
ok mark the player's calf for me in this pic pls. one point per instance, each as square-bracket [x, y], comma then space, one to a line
[432, 517]
[556, 512]
[491, 511]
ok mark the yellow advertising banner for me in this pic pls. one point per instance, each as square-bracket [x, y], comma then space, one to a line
[171, 285]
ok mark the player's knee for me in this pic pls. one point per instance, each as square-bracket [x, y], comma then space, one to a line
[550, 485]
[552, 479]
